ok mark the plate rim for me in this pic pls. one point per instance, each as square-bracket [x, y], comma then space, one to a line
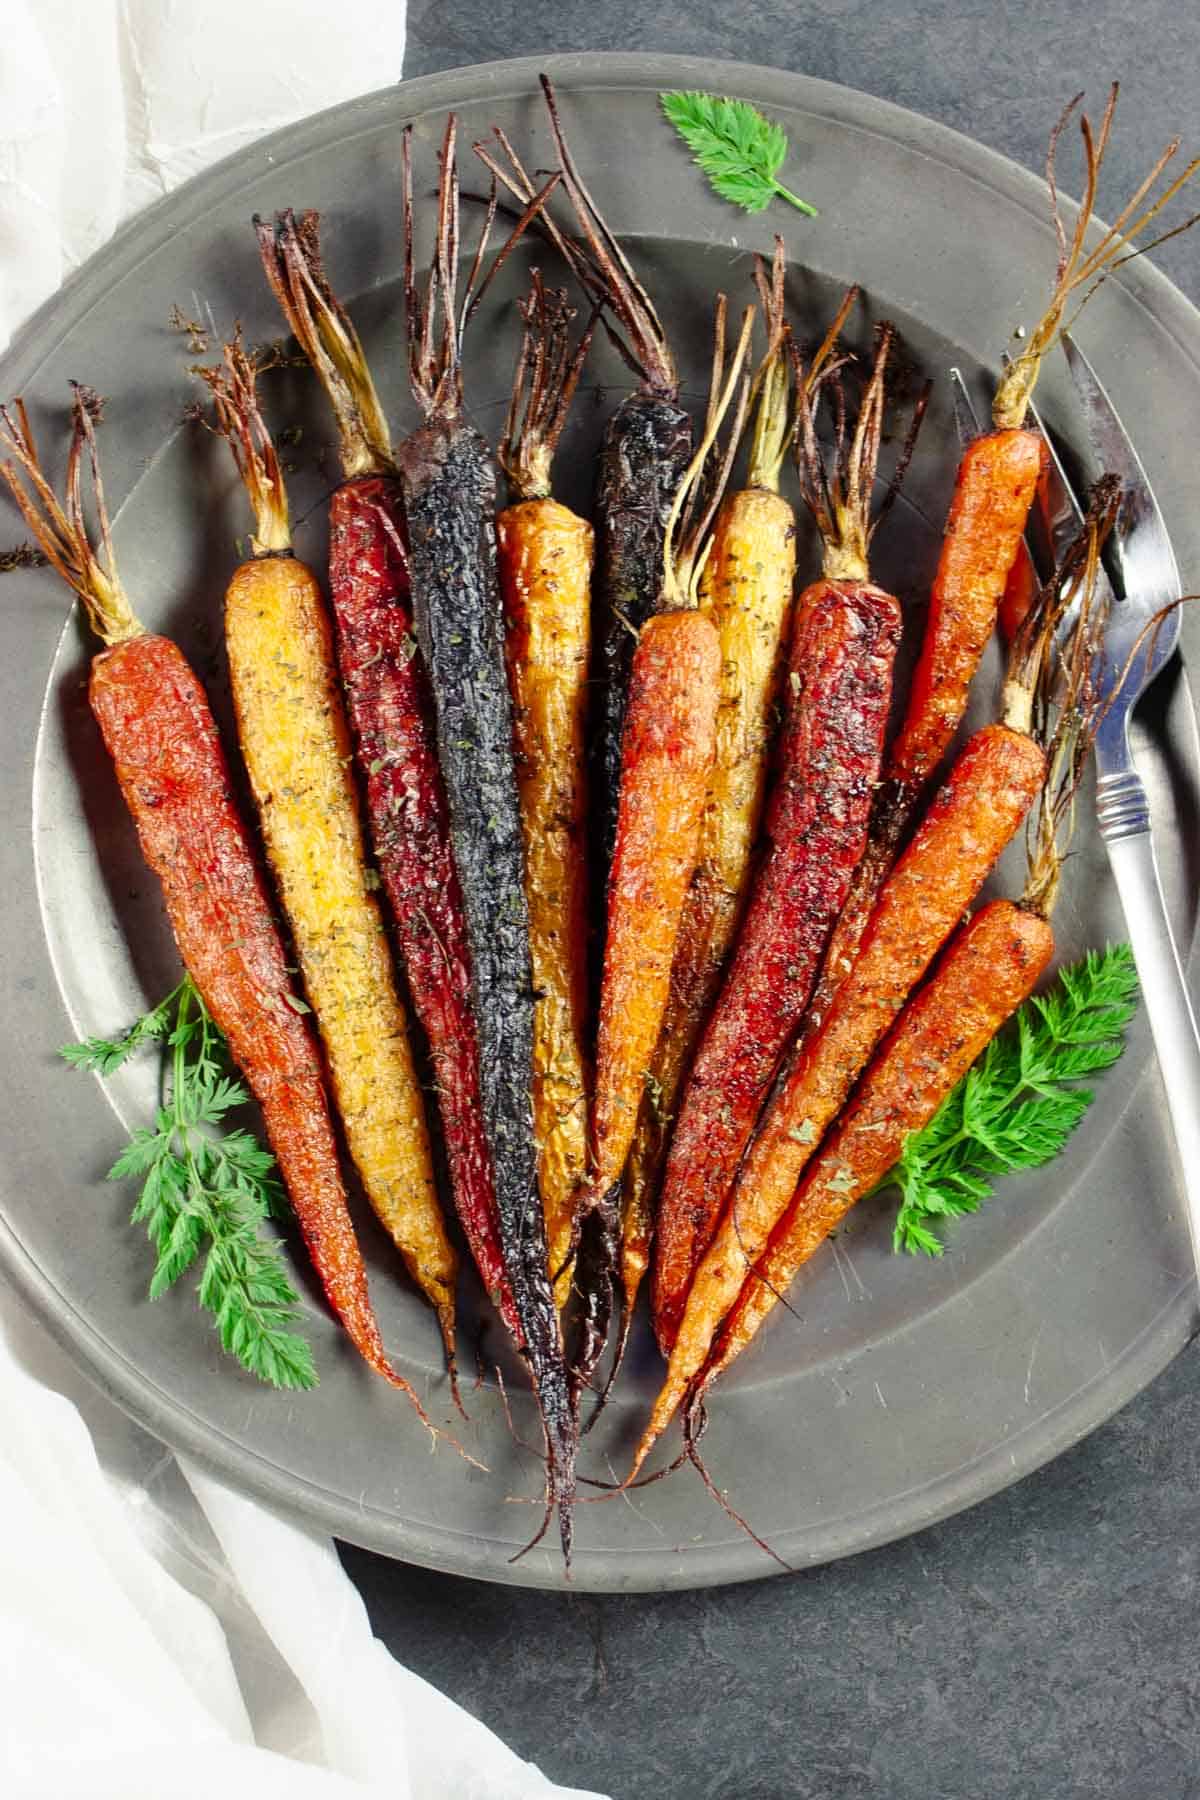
[140, 1395]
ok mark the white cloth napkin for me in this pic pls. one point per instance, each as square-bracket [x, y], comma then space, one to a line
[162, 1638]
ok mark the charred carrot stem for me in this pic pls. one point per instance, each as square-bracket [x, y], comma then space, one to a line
[295, 743]
[449, 486]
[545, 560]
[159, 730]
[992, 966]
[391, 715]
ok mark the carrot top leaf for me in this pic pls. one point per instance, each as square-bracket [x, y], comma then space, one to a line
[206, 1185]
[740, 150]
[1016, 1108]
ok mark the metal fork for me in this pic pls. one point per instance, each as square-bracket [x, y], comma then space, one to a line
[1147, 581]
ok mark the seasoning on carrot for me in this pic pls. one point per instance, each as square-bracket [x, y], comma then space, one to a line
[295, 744]
[996, 482]
[991, 967]
[545, 563]
[667, 751]
[746, 590]
[990, 788]
[158, 728]
[838, 692]
[391, 715]
[449, 485]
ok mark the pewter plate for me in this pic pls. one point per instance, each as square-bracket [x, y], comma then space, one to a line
[899, 1391]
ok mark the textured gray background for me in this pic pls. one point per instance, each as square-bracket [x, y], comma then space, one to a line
[1044, 1644]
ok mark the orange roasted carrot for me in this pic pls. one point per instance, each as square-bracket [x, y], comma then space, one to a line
[996, 482]
[667, 748]
[544, 560]
[746, 590]
[157, 727]
[992, 966]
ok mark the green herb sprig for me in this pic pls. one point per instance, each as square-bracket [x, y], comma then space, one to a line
[206, 1185]
[1016, 1108]
[740, 150]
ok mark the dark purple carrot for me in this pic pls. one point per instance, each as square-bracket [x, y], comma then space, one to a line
[449, 486]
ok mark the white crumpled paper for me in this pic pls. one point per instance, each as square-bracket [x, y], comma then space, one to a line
[162, 1638]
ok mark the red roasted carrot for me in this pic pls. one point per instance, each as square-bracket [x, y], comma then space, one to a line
[387, 693]
[837, 697]
[996, 482]
[157, 727]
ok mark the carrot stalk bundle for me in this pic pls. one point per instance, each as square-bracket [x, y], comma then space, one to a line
[448, 482]
[158, 728]
[545, 560]
[391, 714]
[296, 747]
[991, 967]
[643, 458]
[994, 490]
[837, 696]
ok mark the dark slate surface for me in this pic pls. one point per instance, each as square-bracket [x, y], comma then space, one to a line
[1044, 1644]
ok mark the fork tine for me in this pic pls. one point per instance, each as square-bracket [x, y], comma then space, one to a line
[966, 419]
[1145, 559]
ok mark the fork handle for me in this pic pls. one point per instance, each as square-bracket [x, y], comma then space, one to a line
[1123, 813]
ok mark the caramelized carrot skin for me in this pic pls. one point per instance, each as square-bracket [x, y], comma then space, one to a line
[387, 694]
[746, 591]
[993, 492]
[973, 817]
[993, 965]
[544, 555]
[975, 814]
[295, 745]
[158, 729]
[997, 479]
[839, 686]
[667, 753]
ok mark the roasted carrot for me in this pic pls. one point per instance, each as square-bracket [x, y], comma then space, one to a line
[996, 482]
[990, 789]
[449, 486]
[544, 552]
[295, 744]
[646, 449]
[391, 714]
[158, 728]
[838, 693]
[992, 965]
[667, 751]
[746, 590]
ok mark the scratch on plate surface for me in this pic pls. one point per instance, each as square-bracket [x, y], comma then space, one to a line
[1033, 1350]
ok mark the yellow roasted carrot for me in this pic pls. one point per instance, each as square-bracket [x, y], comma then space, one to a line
[545, 566]
[296, 746]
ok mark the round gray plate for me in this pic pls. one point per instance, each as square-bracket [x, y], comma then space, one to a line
[901, 1390]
